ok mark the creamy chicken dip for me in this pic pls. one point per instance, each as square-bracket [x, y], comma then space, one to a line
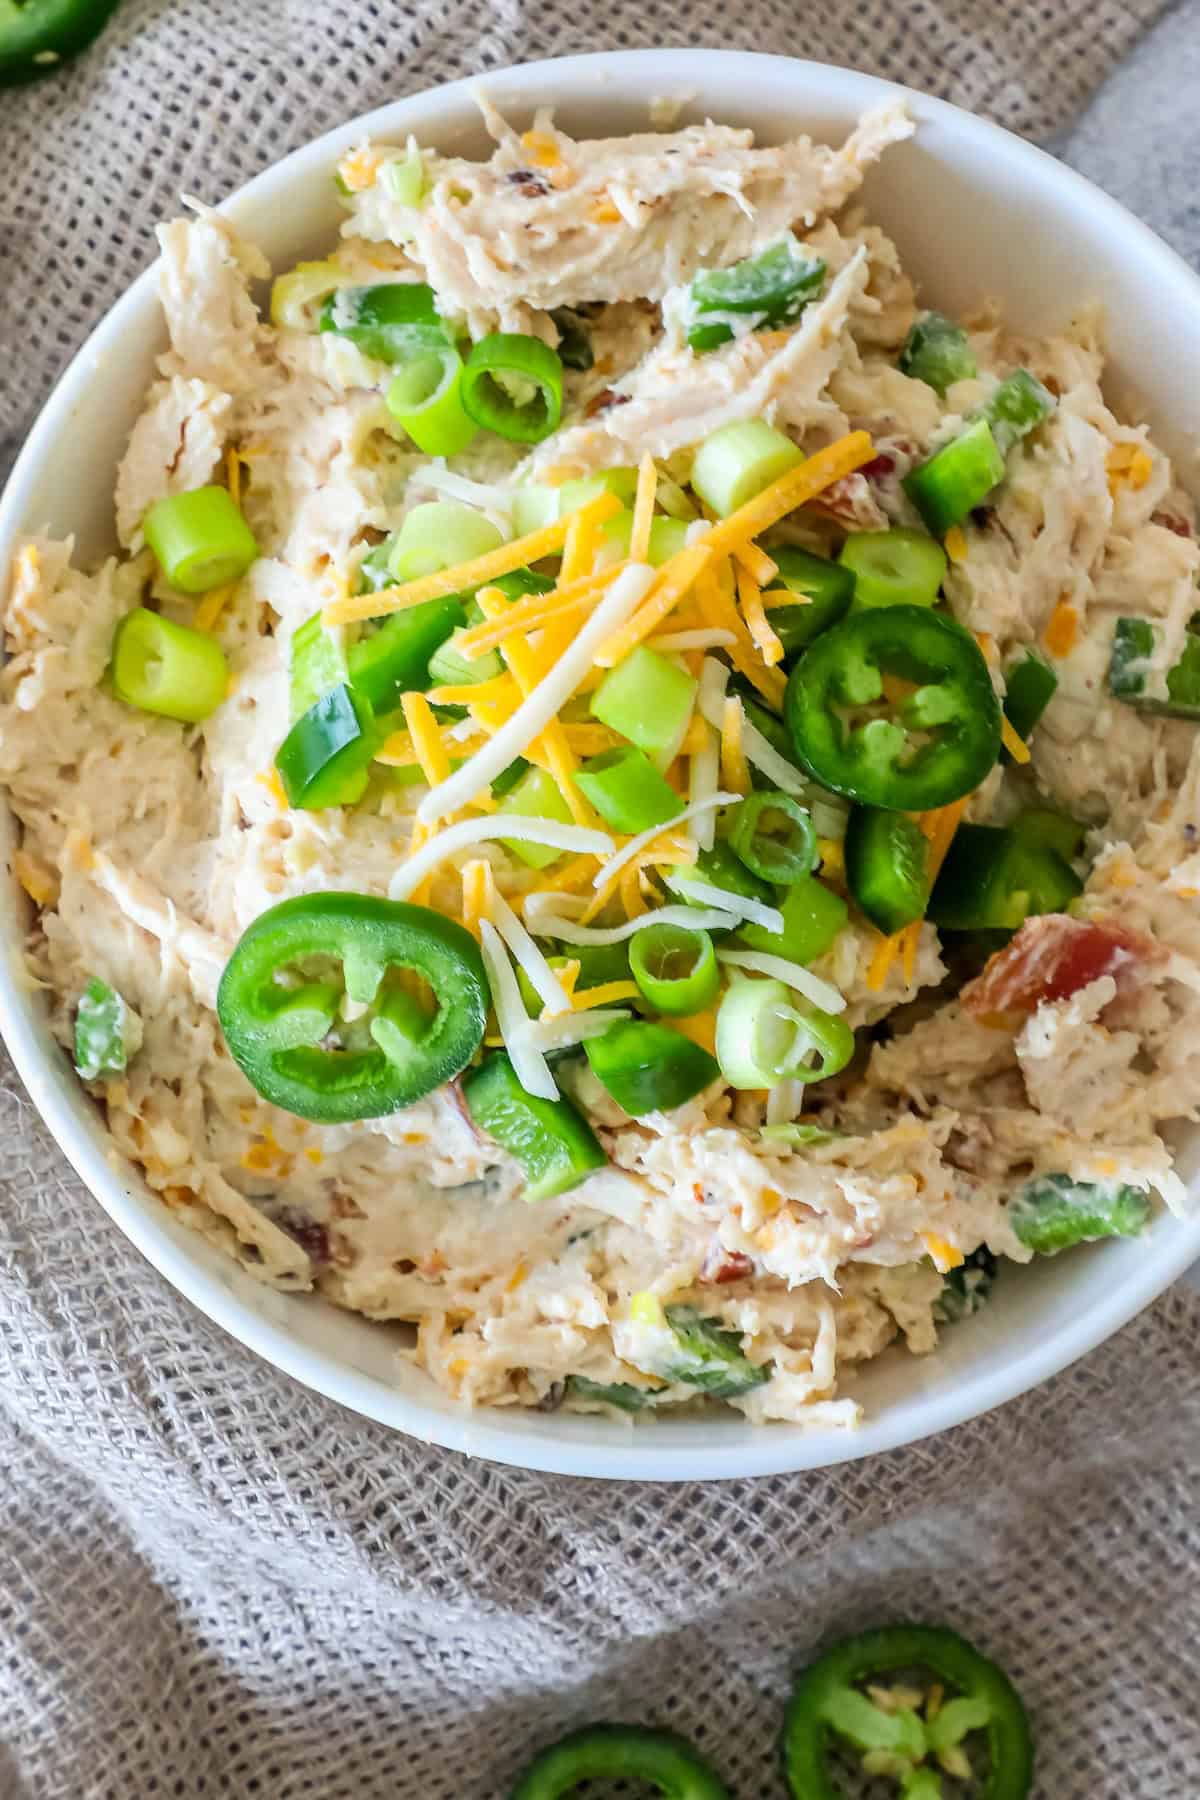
[628, 797]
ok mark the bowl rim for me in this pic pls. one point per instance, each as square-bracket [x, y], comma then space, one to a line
[773, 1449]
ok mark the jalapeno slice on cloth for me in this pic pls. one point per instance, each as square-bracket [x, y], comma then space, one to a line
[37, 35]
[621, 1752]
[283, 999]
[909, 750]
[828, 1703]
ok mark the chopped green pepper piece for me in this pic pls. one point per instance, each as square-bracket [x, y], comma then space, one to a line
[936, 352]
[107, 1031]
[649, 1068]
[39, 36]
[1030, 685]
[283, 1023]
[774, 286]
[929, 748]
[621, 1394]
[828, 588]
[627, 790]
[391, 321]
[967, 1289]
[1133, 678]
[827, 1702]
[535, 795]
[709, 1356]
[621, 1753]
[1055, 1212]
[397, 658]
[574, 339]
[957, 478]
[325, 757]
[887, 867]
[993, 879]
[551, 1139]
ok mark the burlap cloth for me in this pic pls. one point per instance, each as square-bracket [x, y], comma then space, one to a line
[212, 1582]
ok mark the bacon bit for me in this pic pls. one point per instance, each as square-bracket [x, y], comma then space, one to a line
[852, 502]
[603, 400]
[721, 1265]
[529, 183]
[1052, 957]
[1062, 633]
[1172, 522]
[310, 1234]
[878, 467]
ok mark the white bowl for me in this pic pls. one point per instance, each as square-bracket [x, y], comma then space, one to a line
[976, 213]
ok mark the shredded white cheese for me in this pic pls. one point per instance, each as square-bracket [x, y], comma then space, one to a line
[543, 704]
[644, 839]
[792, 974]
[695, 918]
[576, 838]
[741, 906]
[530, 1066]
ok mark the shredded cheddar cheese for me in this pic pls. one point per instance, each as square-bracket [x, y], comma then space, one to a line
[517, 554]
[427, 744]
[1016, 746]
[673, 581]
[478, 891]
[269, 778]
[765, 640]
[735, 770]
[946, 1256]
[1128, 465]
[643, 509]
[1062, 632]
[955, 544]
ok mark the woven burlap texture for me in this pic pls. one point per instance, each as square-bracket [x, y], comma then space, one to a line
[213, 1582]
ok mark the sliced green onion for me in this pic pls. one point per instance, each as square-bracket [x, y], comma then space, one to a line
[894, 568]
[649, 700]
[387, 322]
[812, 918]
[936, 352]
[826, 587]
[533, 507]
[373, 572]
[774, 837]
[317, 663]
[323, 760]
[293, 294]
[167, 669]
[763, 1038]
[739, 461]
[675, 968]
[957, 478]
[797, 1135]
[512, 385]
[573, 494]
[1018, 404]
[107, 1031]
[627, 790]
[200, 539]
[439, 535]
[649, 1068]
[667, 538]
[397, 658]
[1055, 1212]
[405, 176]
[535, 796]
[451, 667]
[709, 1356]
[425, 399]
